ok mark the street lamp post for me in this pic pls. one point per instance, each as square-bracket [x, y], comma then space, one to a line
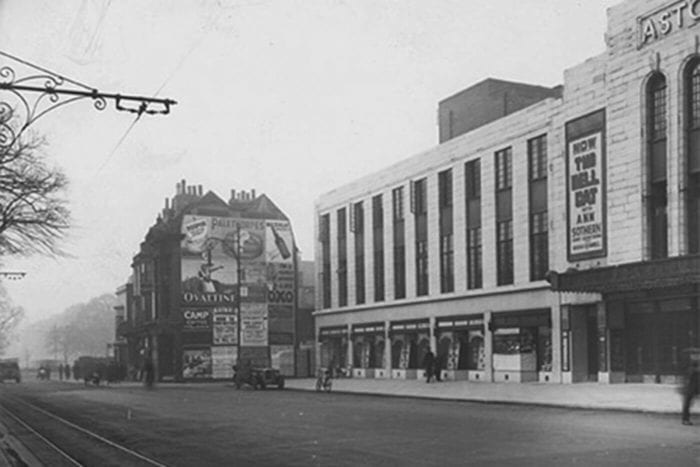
[238, 286]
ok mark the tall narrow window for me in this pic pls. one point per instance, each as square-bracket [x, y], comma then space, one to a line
[325, 239]
[539, 238]
[656, 143]
[692, 86]
[447, 283]
[472, 175]
[342, 258]
[504, 216]
[359, 229]
[378, 244]
[420, 216]
[399, 233]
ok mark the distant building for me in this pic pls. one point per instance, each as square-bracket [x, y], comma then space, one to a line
[552, 236]
[122, 310]
[205, 266]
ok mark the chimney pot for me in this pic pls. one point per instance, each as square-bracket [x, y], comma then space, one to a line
[233, 194]
[201, 190]
[252, 193]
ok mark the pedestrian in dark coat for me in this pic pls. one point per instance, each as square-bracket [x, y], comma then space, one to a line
[690, 390]
[429, 365]
[438, 367]
[60, 371]
[148, 372]
[66, 370]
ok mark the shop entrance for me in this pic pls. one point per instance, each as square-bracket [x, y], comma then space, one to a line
[655, 342]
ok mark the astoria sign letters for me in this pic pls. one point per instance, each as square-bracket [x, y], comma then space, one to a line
[662, 22]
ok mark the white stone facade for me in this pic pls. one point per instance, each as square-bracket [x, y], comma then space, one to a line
[614, 81]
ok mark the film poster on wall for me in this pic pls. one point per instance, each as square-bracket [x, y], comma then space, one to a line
[586, 187]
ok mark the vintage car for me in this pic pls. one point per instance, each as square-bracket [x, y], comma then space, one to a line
[9, 370]
[258, 378]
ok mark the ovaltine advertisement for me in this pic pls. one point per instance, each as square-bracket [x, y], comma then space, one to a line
[586, 187]
[210, 250]
[279, 241]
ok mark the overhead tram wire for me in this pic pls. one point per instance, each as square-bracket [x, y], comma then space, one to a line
[182, 60]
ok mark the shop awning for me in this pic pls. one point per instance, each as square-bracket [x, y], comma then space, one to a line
[461, 322]
[337, 331]
[376, 328]
[410, 326]
[654, 274]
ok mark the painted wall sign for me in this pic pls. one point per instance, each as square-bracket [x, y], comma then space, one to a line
[663, 21]
[196, 318]
[585, 184]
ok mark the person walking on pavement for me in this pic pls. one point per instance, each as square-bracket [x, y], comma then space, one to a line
[438, 367]
[429, 365]
[148, 371]
[60, 371]
[690, 390]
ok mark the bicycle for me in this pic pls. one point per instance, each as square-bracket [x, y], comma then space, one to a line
[324, 381]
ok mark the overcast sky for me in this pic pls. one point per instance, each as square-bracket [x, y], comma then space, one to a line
[292, 98]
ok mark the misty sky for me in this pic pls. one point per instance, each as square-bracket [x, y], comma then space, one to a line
[292, 98]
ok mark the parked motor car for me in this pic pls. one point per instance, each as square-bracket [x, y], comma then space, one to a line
[258, 378]
[9, 370]
[269, 377]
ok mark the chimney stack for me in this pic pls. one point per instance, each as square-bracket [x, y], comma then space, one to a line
[201, 190]
[252, 193]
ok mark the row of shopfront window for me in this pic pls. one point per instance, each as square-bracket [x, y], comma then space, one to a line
[638, 337]
[522, 342]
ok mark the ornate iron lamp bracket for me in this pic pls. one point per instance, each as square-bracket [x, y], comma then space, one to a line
[27, 98]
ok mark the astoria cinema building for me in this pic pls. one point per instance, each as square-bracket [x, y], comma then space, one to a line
[552, 235]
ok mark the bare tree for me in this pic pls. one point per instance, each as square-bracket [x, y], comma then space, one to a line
[33, 216]
[10, 316]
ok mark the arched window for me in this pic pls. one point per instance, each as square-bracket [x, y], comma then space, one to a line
[656, 146]
[692, 128]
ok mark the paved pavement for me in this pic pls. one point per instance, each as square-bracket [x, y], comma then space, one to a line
[657, 398]
[653, 398]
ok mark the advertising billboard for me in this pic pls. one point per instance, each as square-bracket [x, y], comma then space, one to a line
[196, 363]
[585, 187]
[279, 241]
[253, 324]
[210, 249]
[223, 358]
[196, 318]
[225, 327]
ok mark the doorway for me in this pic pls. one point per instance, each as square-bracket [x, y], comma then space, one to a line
[592, 344]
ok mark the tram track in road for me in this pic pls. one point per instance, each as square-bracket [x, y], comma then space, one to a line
[56, 441]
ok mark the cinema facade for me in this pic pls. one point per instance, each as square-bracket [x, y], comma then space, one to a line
[553, 234]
